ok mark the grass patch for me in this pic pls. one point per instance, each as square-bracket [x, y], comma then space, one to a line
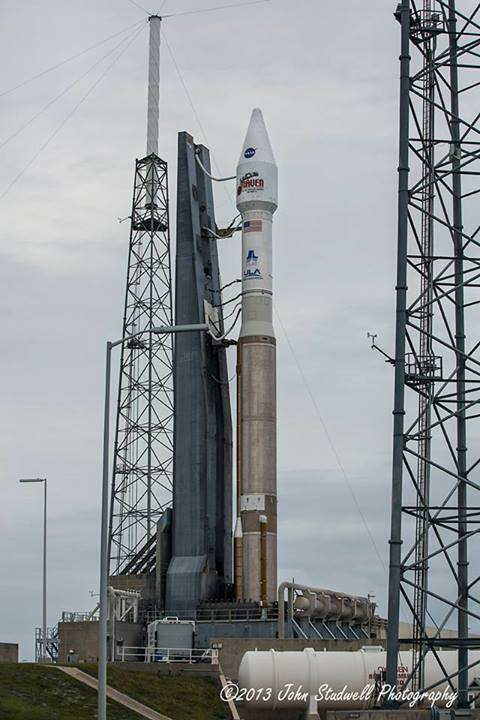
[181, 697]
[33, 692]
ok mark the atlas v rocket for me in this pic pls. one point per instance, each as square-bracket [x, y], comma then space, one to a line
[255, 537]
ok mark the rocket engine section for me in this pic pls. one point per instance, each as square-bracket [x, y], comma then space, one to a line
[256, 528]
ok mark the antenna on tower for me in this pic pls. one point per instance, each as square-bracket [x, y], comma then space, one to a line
[153, 112]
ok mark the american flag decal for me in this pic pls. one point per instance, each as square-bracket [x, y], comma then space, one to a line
[252, 226]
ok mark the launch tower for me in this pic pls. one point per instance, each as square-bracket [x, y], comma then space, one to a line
[143, 454]
[436, 457]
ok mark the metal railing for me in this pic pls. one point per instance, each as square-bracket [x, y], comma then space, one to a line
[80, 616]
[221, 614]
[51, 644]
[236, 614]
[167, 655]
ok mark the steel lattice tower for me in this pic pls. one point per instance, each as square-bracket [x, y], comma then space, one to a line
[143, 454]
[436, 473]
[425, 318]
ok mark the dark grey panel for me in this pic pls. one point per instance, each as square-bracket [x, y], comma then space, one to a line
[201, 566]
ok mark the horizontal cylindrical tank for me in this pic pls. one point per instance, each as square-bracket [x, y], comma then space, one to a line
[330, 605]
[288, 679]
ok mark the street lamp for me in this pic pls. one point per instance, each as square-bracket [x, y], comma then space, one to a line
[44, 611]
[103, 604]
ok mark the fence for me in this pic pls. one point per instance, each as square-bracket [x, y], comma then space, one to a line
[168, 655]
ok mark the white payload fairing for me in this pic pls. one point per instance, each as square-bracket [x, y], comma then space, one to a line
[256, 528]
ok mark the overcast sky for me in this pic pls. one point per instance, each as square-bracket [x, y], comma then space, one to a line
[325, 76]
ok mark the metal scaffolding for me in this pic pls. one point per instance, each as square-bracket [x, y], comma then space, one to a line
[143, 455]
[435, 501]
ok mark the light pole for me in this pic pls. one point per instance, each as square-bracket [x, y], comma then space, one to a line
[103, 605]
[44, 609]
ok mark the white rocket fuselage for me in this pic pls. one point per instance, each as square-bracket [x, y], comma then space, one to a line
[256, 368]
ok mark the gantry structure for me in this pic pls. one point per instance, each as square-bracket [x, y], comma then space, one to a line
[143, 453]
[434, 571]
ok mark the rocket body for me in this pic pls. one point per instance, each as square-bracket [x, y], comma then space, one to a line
[256, 369]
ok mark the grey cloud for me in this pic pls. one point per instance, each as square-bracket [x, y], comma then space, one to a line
[326, 78]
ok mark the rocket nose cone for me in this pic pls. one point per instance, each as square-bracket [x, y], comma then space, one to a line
[257, 145]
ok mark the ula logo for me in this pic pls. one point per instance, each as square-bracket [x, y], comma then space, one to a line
[249, 153]
[252, 258]
[253, 274]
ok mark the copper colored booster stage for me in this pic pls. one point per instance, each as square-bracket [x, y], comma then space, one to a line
[255, 536]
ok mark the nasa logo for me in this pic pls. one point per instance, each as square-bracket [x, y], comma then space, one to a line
[249, 153]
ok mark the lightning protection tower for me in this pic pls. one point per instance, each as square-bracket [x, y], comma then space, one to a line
[434, 544]
[143, 454]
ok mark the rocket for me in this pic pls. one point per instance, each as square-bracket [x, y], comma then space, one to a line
[255, 537]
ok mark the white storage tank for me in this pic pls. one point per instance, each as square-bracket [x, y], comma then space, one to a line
[287, 679]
